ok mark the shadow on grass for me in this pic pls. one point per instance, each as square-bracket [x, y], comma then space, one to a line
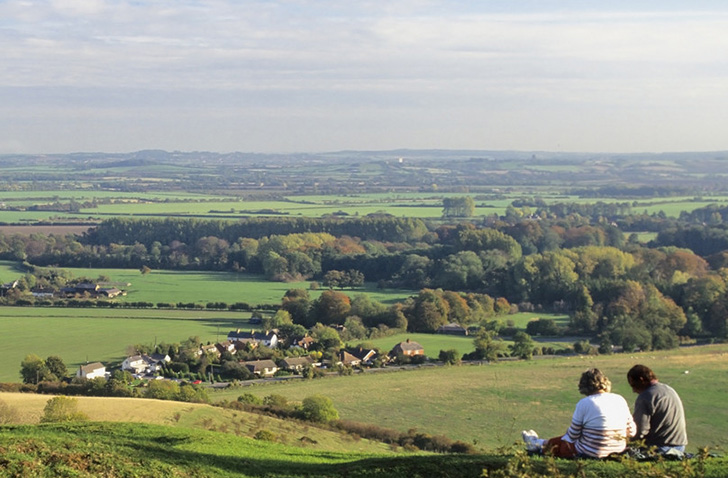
[142, 450]
[210, 454]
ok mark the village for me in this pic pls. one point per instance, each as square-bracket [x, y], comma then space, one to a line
[304, 359]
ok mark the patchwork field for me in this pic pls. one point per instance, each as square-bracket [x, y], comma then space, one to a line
[426, 205]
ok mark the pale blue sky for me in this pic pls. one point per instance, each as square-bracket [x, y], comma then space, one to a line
[308, 76]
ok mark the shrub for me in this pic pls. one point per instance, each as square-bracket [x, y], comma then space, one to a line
[319, 408]
[62, 409]
[239, 306]
[275, 400]
[265, 435]
[8, 414]
[162, 390]
[450, 357]
[250, 399]
[583, 347]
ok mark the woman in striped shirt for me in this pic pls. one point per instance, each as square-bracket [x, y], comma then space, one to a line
[601, 424]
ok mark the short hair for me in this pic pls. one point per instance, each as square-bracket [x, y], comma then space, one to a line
[593, 381]
[641, 374]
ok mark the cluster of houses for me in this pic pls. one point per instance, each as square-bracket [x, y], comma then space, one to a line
[143, 365]
[83, 289]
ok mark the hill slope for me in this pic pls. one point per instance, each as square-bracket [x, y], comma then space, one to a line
[141, 450]
[27, 408]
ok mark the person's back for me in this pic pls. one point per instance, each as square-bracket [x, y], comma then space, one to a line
[658, 411]
[601, 425]
[659, 415]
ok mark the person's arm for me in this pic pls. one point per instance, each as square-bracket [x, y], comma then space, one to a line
[573, 433]
[631, 427]
[642, 415]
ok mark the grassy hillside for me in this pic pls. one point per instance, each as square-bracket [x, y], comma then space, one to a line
[27, 409]
[489, 405]
[140, 450]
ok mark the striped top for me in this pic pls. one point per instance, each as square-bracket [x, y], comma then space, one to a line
[601, 425]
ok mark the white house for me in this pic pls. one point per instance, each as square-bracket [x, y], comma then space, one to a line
[156, 361]
[134, 364]
[269, 338]
[92, 370]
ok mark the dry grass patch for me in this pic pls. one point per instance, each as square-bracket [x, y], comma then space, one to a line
[103, 409]
[29, 407]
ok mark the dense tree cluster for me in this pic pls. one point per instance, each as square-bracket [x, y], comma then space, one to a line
[565, 257]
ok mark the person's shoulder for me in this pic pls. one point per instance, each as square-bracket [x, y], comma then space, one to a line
[664, 388]
[615, 397]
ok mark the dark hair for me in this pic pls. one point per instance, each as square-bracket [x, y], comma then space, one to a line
[641, 374]
[593, 381]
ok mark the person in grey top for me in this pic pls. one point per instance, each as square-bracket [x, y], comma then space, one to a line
[658, 411]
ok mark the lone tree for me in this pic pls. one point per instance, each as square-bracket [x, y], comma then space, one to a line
[487, 346]
[319, 408]
[522, 346]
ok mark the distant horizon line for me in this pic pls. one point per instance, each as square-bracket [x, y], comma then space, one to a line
[369, 151]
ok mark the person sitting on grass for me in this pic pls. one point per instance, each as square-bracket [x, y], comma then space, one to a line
[600, 426]
[658, 412]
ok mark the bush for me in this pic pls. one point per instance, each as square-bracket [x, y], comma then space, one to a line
[250, 399]
[319, 408]
[583, 347]
[265, 435]
[8, 414]
[239, 306]
[450, 357]
[62, 409]
[275, 400]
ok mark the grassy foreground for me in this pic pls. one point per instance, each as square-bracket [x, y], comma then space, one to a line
[27, 409]
[140, 450]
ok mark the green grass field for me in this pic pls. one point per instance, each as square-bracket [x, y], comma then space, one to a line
[203, 287]
[81, 335]
[491, 404]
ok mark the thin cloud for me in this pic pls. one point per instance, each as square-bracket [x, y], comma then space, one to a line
[468, 63]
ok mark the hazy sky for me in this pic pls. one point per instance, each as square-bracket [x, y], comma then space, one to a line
[285, 76]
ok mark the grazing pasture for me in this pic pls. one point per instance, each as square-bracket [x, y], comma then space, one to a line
[203, 287]
[230, 287]
[491, 404]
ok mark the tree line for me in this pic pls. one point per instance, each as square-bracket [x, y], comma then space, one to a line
[619, 290]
